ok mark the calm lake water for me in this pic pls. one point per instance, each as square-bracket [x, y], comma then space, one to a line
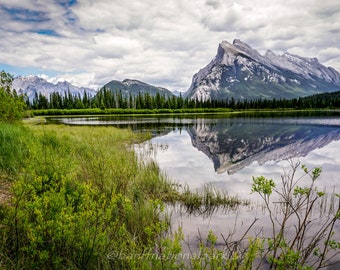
[227, 151]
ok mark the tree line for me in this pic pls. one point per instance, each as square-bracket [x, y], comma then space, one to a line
[107, 99]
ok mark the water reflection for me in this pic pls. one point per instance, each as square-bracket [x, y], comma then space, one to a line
[204, 149]
[226, 152]
[232, 144]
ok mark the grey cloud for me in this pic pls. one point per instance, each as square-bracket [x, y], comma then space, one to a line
[213, 3]
[161, 42]
[326, 11]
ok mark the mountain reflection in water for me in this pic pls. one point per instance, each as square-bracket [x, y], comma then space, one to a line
[232, 143]
[235, 143]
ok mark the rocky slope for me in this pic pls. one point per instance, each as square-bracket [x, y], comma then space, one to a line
[241, 72]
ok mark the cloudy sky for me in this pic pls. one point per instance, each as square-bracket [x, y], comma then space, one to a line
[161, 42]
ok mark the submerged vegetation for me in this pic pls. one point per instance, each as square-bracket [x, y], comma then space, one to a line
[204, 201]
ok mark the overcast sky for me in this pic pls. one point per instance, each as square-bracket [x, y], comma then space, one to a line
[161, 42]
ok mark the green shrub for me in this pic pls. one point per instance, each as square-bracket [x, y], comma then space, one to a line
[73, 201]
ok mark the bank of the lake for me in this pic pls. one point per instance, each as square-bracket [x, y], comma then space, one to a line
[114, 111]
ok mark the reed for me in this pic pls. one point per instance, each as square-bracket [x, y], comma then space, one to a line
[78, 193]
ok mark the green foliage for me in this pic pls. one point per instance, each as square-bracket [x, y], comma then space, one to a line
[74, 199]
[262, 185]
[106, 99]
[301, 248]
[231, 258]
[97, 111]
[11, 105]
[13, 148]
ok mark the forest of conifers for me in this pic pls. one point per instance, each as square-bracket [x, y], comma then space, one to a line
[106, 99]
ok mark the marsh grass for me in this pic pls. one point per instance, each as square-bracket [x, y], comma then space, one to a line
[204, 201]
[77, 194]
[13, 149]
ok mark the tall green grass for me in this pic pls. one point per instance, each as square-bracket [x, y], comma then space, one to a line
[13, 148]
[78, 194]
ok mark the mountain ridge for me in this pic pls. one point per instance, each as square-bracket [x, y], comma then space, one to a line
[241, 72]
[135, 87]
[31, 86]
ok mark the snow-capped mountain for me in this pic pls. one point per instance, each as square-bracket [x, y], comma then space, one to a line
[32, 85]
[239, 71]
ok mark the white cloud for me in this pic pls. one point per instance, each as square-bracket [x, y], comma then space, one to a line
[160, 42]
[79, 79]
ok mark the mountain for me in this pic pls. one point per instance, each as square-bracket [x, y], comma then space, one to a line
[135, 87]
[177, 93]
[241, 72]
[32, 85]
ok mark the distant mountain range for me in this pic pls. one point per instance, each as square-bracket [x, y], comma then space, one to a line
[236, 71]
[241, 72]
[33, 85]
[134, 87]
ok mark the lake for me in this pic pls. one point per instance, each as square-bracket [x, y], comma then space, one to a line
[227, 151]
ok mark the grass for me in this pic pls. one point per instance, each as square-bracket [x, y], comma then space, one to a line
[204, 201]
[75, 191]
[97, 111]
[75, 195]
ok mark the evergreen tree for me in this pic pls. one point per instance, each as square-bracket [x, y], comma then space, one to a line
[11, 105]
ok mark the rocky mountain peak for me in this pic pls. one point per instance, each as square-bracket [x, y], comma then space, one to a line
[240, 71]
[270, 54]
[245, 48]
